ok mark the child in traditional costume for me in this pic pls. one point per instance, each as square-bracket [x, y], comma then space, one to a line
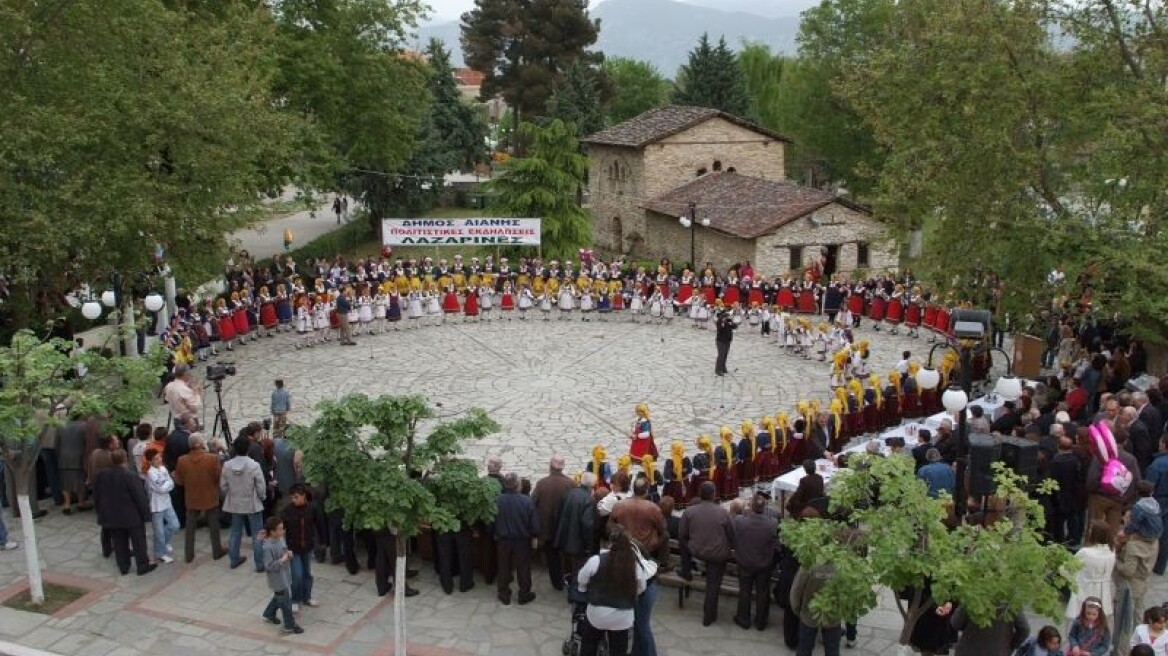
[641, 440]
[677, 470]
[725, 477]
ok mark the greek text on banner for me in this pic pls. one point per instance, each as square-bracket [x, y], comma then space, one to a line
[458, 232]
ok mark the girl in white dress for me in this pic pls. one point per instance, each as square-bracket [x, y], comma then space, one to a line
[415, 308]
[566, 303]
[434, 312]
[303, 324]
[545, 305]
[703, 315]
[655, 310]
[526, 302]
[486, 302]
[379, 303]
[667, 309]
[636, 305]
[695, 305]
[320, 324]
[586, 304]
[364, 313]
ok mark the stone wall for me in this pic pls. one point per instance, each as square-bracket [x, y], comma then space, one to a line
[833, 224]
[668, 238]
[716, 144]
[615, 178]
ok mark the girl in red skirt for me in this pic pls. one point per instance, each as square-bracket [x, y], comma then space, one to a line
[641, 440]
[226, 324]
[746, 453]
[508, 302]
[725, 477]
[912, 313]
[470, 307]
[450, 301]
[786, 297]
[268, 318]
[705, 468]
[239, 318]
[895, 312]
[766, 464]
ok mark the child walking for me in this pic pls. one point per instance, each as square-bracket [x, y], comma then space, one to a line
[162, 515]
[277, 562]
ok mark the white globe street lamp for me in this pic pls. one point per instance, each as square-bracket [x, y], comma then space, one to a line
[954, 399]
[91, 310]
[153, 302]
[928, 379]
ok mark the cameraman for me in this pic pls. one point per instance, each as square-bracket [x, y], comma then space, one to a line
[724, 336]
[184, 400]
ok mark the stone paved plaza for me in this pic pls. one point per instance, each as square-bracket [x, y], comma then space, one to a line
[555, 387]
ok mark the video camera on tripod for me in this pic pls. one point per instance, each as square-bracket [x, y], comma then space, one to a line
[219, 370]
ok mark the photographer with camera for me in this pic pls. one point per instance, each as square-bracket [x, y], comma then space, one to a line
[723, 337]
[184, 399]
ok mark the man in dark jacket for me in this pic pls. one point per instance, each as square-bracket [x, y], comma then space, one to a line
[756, 540]
[706, 534]
[1143, 445]
[548, 495]
[516, 527]
[1066, 517]
[575, 533]
[725, 335]
[808, 582]
[178, 444]
[123, 510]
[300, 521]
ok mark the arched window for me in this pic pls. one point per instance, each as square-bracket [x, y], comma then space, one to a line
[717, 165]
[731, 170]
[618, 236]
[701, 171]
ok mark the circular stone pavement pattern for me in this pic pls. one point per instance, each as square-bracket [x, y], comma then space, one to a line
[556, 387]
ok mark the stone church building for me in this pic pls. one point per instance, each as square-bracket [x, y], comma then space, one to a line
[651, 170]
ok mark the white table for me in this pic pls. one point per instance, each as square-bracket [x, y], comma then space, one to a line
[789, 482]
[989, 403]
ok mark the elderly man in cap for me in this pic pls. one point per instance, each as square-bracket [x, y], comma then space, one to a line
[548, 494]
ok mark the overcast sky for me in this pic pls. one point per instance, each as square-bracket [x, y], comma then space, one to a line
[449, 9]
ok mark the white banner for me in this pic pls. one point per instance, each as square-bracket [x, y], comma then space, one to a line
[457, 232]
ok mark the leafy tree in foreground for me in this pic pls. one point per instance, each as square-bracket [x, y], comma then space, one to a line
[993, 571]
[39, 387]
[639, 88]
[375, 464]
[544, 185]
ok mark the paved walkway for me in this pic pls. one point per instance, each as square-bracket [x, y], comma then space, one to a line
[267, 238]
[554, 387]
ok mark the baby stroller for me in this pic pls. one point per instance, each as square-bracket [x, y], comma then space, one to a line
[578, 601]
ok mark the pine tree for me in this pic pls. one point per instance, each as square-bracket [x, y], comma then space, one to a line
[460, 127]
[524, 47]
[578, 99]
[713, 78]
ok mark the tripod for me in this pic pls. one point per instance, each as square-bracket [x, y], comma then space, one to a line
[219, 425]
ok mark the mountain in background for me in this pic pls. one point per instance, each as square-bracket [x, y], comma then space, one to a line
[764, 8]
[664, 31]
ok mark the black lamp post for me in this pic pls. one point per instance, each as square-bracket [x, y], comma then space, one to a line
[690, 220]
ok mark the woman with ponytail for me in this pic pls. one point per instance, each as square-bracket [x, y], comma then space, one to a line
[677, 470]
[725, 476]
[704, 466]
[747, 451]
[766, 463]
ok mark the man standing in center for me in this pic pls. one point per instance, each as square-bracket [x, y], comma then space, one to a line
[706, 534]
[516, 527]
[756, 539]
[122, 510]
[577, 526]
[548, 494]
[244, 491]
[643, 521]
[725, 335]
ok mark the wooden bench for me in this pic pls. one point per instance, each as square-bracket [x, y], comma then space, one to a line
[673, 579]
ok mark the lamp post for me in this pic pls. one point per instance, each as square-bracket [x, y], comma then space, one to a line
[957, 396]
[690, 220]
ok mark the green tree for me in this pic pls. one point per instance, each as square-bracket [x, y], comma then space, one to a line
[764, 73]
[993, 571]
[369, 453]
[544, 184]
[128, 123]
[639, 87]
[833, 143]
[712, 77]
[524, 47]
[342, 66]
[579, 98]
[39, 388]
[452, 136]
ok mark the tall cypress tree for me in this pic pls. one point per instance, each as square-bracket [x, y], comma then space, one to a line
[460, 127]
[713, 78]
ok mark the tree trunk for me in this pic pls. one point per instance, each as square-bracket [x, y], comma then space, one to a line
[914, 612]
[399, 598]
[36, 588]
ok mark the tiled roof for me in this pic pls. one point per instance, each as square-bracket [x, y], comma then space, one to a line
[745, 206]
[468, 77]
[657, 124]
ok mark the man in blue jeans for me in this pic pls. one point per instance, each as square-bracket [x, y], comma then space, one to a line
[244, 490]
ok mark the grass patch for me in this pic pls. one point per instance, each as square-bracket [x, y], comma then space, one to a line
[56, 598]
